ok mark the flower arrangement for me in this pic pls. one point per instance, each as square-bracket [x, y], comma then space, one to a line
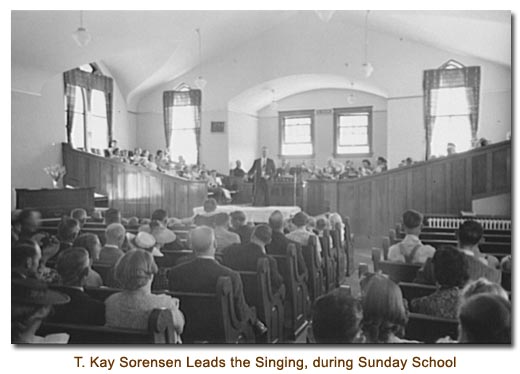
[56, 172]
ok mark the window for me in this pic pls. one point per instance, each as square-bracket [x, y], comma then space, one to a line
[184, 134]
[88, 107]
[451, 106]
[353, 131]
[182, 122]
[451, 122]
[297, 133]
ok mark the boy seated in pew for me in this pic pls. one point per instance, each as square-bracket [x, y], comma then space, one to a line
[411, 250]
[469, 236]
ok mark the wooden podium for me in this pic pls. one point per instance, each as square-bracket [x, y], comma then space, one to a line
[55, 202]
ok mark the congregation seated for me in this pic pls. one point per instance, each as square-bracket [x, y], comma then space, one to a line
[131, 308]
[451, 274]
[411, 250]
[279, 242]
[112, 215]
[223, 237]
[384, 312]
[337, 318]
[27, 224]
[482, 285]
[240, 226]
[245, 256]
[301, 235]
[31, 304]
[91, 243]
[73, 267]
[238, 172]
[111, 251]
[201, 274]
[164, 237]
[485, 318]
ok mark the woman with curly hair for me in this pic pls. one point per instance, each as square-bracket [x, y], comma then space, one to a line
[384, 313]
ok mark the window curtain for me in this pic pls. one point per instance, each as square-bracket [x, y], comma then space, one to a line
[88, 81]
[447, 77]
[172, 99]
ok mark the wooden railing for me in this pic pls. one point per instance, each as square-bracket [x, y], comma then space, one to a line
[445, 185]
[134, 190]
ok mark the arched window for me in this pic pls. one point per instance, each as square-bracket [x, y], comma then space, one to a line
[88, 107]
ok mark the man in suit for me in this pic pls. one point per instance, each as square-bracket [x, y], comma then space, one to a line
[245, 256]
[240, 226]
[263, 172]
[201, 274]
[73, 267]
[279, 242]
[115, 236]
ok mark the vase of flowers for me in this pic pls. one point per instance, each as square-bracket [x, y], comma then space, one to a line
[56, 172]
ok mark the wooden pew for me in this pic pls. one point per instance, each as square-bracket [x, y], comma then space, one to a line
[329, 262]
[160, 331]
[297, 302]
[412, 291]
[315, 279]
[398, 272]
[269, 305]
[428, 329]
[211, 318]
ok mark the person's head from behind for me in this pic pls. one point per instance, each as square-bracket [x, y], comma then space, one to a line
[222, 220]
[25, 258]
[73, 266]
[238, 164]
[322, 224]
[336, 318]
[79, 215]
[29, 221]
[238, 219]
[450, 267]
[451, 148]
[210, 205]
[485, 319]
[276, 221]
[384, 313]
[469, 234]
[311, 224]
[115, 234]
[300, 219]
[482, 285]
[262, 235]
[160, 215]
[112, 215]
[91, 243]
[31, 303]
[202, 241]
[135, 269]
[68, 230]
[412, 222]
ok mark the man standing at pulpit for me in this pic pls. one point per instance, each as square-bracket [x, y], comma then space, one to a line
[263, 171]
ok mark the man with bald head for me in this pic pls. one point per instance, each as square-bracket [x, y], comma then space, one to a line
[201, 274]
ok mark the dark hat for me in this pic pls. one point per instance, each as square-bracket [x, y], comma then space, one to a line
[300, 219]
[32, 291]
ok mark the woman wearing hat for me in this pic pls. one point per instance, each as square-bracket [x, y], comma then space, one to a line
[31, 303]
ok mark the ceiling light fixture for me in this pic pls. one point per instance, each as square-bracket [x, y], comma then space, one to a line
[200, 82]
[325, 15]
[367, 66]
[81, 36]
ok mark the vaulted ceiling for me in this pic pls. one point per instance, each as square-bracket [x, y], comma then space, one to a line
[144, 49]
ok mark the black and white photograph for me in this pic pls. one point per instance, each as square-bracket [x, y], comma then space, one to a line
[302, 177]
